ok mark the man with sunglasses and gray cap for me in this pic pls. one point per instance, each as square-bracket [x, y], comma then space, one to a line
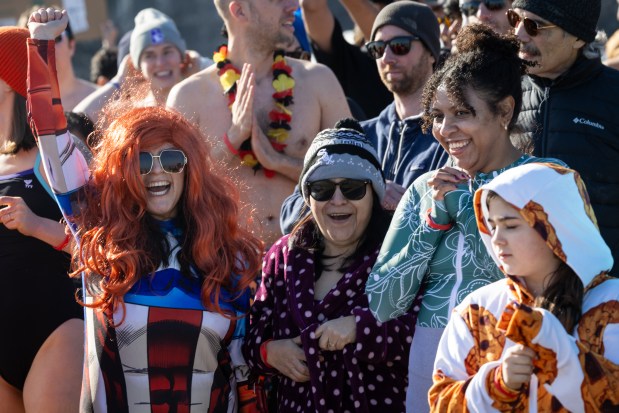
[489, 12]
[570, 107]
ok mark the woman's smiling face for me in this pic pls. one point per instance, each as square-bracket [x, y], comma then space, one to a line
[341, 221]
[474, 136]
[163, 189]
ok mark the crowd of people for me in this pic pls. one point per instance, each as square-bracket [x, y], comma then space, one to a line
[421, 219]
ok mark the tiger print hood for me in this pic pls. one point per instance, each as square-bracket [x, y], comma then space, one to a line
[554, 201]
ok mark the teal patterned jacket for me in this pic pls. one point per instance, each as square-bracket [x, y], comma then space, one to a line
[444, 265]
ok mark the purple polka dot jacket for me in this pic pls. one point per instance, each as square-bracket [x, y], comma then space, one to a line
[369, 375]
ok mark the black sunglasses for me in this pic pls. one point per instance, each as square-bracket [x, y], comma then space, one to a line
[532, 27]
[400, 46]
[470, 8]
[323, 190]
[172, 161]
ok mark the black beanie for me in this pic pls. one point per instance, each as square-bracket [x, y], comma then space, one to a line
[577, 17]
[416, 18]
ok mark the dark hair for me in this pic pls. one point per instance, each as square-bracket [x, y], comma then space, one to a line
[104, 63]
[22, 136]
[68, 30]
[563, 294]
[486, 62]
[372, 237]
[81, 126]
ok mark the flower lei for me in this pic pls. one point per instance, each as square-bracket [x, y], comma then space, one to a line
[280, 117]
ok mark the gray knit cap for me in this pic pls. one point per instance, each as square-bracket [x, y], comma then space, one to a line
[153, 27]
[341, 153]
[577, 17]
[416, 18]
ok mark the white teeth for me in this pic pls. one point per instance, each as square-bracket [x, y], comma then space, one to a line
[157, 183]
[158, 188]
[458, 144]
[163, 73]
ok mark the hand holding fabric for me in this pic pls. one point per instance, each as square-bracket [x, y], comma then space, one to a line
[335, 334]
[288, 358]
[517, 366]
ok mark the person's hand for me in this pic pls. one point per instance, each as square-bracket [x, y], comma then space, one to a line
[335, 334]
[393, 194]
[517, 366]
[47, 24]
[288, 358]
[262, 148]
[243, 107]
[16, 215]
[445, 180]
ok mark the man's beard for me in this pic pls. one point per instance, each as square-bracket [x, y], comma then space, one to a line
[411, 81]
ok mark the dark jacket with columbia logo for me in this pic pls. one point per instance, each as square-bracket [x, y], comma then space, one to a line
[575, 118]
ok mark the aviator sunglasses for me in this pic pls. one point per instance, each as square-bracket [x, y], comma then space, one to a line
[531, 26]
[172, 161]
[400, 46]
[323, 190]
[470, 8]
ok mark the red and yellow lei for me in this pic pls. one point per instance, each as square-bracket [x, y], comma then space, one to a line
[279, 118]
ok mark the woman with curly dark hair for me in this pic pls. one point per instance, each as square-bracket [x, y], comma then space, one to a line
[433, 246]
[166, 264]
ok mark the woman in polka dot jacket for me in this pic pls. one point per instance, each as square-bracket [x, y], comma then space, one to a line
[310, 323]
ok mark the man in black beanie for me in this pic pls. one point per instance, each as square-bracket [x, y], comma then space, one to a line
[570, 108]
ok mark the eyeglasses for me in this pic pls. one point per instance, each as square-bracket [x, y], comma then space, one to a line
[172, 161]
[400, 46]
[470, 8]
[532, 27]
[352, 189]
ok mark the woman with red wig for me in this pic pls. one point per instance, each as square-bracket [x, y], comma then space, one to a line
[166, 264]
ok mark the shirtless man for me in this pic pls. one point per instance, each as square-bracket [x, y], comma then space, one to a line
[254, 27]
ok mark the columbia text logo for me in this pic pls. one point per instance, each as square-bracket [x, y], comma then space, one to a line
[583, 121]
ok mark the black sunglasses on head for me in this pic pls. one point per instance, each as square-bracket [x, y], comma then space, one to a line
[400, 46]
[470, 8]
[323, 190]
[172, 161]
[532, 27]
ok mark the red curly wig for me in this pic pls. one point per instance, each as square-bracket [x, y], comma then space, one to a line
[116, 247]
